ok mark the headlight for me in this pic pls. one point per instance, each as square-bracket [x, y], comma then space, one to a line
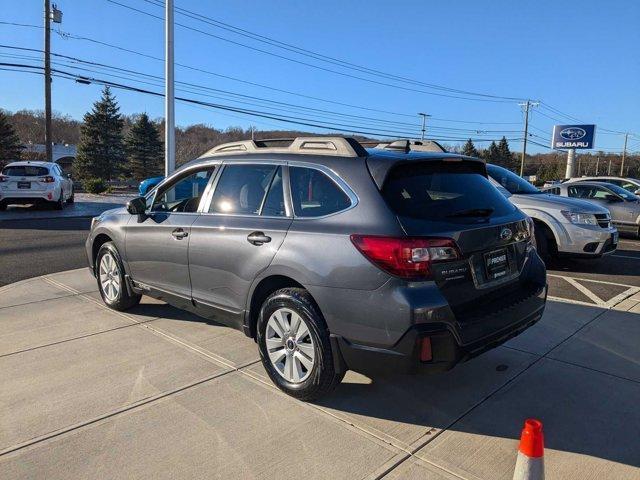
[580, 218]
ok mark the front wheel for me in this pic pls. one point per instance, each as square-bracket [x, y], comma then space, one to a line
[294, 345]
[59, 204]
[111, 281]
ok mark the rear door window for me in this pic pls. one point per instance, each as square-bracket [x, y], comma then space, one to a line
[440, 190]
[241, 189]
[314, 194]
[25, 171]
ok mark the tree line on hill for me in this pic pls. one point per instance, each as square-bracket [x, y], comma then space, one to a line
[113, 146]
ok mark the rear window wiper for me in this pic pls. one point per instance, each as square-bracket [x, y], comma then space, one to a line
[473, 212]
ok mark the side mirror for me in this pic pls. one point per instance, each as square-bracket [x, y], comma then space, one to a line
[137, 206]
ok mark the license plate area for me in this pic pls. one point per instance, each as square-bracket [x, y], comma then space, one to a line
[614, 238]
[24, 184]
[496, 264]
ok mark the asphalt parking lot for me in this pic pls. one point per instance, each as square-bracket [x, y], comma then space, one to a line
[156, 392]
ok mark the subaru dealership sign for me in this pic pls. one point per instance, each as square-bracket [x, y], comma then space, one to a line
[573, 136]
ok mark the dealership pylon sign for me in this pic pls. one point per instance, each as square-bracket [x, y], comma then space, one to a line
[573, 136]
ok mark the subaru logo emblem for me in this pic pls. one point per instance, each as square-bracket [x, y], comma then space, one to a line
[572, 133]
[505, 234]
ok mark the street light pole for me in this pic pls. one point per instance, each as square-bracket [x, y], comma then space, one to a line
[169, 101]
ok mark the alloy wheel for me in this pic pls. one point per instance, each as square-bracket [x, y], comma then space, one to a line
[109, 277]
[290, 346]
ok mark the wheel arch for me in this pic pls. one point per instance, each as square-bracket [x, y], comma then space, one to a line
[262, 288]
[100, 240]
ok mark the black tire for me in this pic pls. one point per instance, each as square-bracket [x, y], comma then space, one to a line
[3, 207]
[545, 242]
[123, 300]
[59, 204]
[323, 378]
[71, 199]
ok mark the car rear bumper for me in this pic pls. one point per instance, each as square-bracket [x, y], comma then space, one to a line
[25, 196]
[448, 347]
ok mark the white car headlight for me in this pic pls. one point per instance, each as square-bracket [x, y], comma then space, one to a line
[580, 218]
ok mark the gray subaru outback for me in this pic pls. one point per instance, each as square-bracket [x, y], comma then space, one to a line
[331, 256]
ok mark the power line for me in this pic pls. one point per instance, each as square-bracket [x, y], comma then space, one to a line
[318, 56]
[283, 57]
[285, 119]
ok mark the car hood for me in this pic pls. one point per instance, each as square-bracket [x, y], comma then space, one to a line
[547, 200]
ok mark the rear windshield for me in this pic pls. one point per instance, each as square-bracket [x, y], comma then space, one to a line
[510, 181]
[439, 190]
[25, 171]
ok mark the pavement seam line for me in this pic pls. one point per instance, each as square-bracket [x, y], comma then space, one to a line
[74, 338]
[208, 355]
[362, 431]
[112, 413]
[38, 301]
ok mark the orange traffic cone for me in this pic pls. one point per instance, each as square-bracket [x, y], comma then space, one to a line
[530, 463]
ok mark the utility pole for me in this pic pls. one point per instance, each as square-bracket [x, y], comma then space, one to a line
[252, 133]
[424, 123]
[527, 105]
[169, 102]
[47, 81]
[597, 163]
[609, 171]
[624, 154]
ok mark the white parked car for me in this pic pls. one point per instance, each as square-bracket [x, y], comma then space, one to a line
[35, 183]
[563, 226]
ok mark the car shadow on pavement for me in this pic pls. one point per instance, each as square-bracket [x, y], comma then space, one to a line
[584, 389]
[608, 265]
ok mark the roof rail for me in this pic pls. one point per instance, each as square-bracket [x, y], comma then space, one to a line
[413, 146]
[336, 146]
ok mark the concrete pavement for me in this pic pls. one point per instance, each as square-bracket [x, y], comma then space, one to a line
[156, 392]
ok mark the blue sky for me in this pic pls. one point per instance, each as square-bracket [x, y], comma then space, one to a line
[580, 59]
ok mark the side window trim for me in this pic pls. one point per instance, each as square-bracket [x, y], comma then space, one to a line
[333, 176]
[208, 197]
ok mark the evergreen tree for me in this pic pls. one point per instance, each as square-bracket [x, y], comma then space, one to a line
[101, 147]
[10, 147]
[144, 149]
[491, 154]
[469, 149]
[505, 157]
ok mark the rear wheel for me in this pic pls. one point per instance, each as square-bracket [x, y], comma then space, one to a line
[59, 204]
[111, 280]
[294, 345]
[545, 243]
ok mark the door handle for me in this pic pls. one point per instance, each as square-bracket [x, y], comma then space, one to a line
[258, 238]
[179, 233]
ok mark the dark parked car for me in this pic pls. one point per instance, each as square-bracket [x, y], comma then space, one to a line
[332, 257]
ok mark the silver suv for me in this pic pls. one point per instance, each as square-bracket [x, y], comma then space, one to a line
[331, 256]
[564, 226]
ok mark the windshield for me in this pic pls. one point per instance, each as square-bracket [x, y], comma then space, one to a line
[25, 171]
[438, 190]
[510, 181]
[626, 194]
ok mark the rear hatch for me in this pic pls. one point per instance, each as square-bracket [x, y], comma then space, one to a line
[452, 198]
[25, 178]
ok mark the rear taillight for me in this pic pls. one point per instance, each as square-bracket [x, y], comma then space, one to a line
[406, 257]
[47, 179]
[3, 179]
